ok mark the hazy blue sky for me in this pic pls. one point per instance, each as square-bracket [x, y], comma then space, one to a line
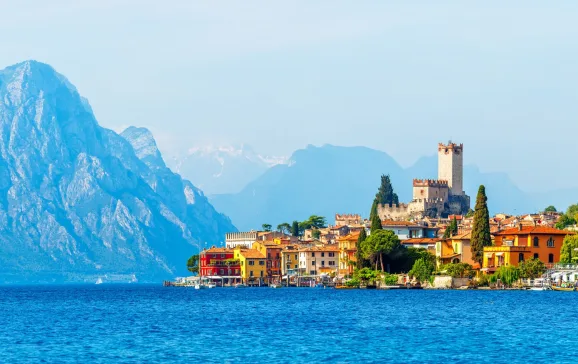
[398, 76]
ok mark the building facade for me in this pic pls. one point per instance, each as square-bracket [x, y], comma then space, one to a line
[219, 262]
[253, 265]
[318, 260]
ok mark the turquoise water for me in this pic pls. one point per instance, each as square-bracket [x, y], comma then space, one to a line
[154, 324]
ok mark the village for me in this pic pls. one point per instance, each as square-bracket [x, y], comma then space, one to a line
[434, 241]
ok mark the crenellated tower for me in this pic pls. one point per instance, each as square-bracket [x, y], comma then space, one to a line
[450, 166]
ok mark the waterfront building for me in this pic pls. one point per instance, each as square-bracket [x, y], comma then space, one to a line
[253, 265]
[319, 259]
[272, 252]
[347, 250]
[219, 263]
[514, 245]
[290, 259]
[456, 249]
[242, 239]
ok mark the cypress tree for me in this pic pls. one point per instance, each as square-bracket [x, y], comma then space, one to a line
[385, 194]
[295, 228]
[481, 229]
[360, 262]
[375, 222]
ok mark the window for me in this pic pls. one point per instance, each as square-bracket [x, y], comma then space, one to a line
[322, 254]
[312, 272]
[251, 273]
[268, 255]
[295, 266]
[521, 257]
[261, 273]
[536, 242]
[221, 271]
[268, 264]
[251, 262]
[331, 254]
[323, 263]
[550, 258]
[332, 262]
[214, 255]
[312, 254]
[536, 256]
[550, 243]
[236, 271]
[295, 256]
[223, 256]
[313, 263]
[261, 262]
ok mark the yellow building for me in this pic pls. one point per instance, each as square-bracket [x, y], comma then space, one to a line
[290, 259]
[253, 265]
[456, 249]
[347, 249]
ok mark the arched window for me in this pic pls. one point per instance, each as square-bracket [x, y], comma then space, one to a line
[536, 241]
[550, 243]
[455, 260]
[550, 258]
[521, 257]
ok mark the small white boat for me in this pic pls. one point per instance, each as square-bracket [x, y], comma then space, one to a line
[200, 286]
[275, 285]
[240, 285]
[99, 281]
[211, 285]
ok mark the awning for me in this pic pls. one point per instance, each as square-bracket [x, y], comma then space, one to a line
[489, 254]
[499, 254]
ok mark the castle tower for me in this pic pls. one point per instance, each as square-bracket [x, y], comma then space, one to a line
[451, 166]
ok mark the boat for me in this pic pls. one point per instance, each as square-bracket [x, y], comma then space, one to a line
[200, 286]
[564, 289]
[211, 285]
[346, 287]
[240, 285]
[539, 284]
[99, 281]
[275, 285]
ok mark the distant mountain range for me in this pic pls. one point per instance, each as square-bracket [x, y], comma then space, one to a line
[79, 202]
[222, 169]
[330, 179]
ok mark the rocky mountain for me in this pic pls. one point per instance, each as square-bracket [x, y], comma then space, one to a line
[224, 169]
[329, 179]
[78, 201]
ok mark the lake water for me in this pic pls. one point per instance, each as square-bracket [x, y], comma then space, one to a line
[135, 323]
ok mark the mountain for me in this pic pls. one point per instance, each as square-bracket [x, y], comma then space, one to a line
[329, 179]
[78, 201]
[220, 170]
[317, 180]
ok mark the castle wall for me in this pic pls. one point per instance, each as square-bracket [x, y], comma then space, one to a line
[429, 192]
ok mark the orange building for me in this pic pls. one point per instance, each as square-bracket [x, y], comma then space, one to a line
[347, 249]
[521, 243]
[271, 250]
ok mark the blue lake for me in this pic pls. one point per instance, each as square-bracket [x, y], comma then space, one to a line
[139, 323]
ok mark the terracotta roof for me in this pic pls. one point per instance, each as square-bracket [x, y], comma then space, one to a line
[252, 254]
[463, 236]
[421, 241]
[351, 236]
[397, 223]
[533, 230]
[326, 248]
[219, 250]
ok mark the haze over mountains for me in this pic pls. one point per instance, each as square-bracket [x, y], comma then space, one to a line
[78, 201]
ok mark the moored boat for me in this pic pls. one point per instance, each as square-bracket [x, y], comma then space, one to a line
[240, 285]
[211, 285]
[564, 289]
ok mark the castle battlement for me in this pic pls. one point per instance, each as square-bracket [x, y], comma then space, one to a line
[456, 148]
[347, 216]
[430, 183]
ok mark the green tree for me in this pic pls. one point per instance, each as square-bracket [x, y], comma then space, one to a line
[532, 268]
[422, 270]
[470, 213]
[193, 264]
[572, 211]
[379, 244]
[458, 270]
[366, 276]
[284, 228]
[550, 209]
[385, 194]
[564, 221]
[295, 228]
[507, 275]
[481, 228]
[315, 234]
[569, 250]
[313, 221]
[266, 227]
[373, 211]
[361, 262]
[389, 279]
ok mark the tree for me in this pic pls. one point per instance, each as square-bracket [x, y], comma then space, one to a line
[284, 228]
[507, 275]
[193, 264]
[481, 228]
[295, 228]
[366, 276]
[360, 261]
[315, 234]
[470, 213]
[378, 244]
[569, 252]
[373, 212]
[385, 194]
[452, 229]
[458, 270]
[313, 221]
[550, 209]
[532, 268]
[266, 227]
[422, 270]
[564, 221]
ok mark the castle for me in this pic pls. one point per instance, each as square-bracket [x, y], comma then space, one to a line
[435, 198]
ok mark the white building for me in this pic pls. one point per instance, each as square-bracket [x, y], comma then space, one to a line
[232, 240]
[317, 260]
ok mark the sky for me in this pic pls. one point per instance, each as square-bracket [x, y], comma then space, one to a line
[398, 76]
